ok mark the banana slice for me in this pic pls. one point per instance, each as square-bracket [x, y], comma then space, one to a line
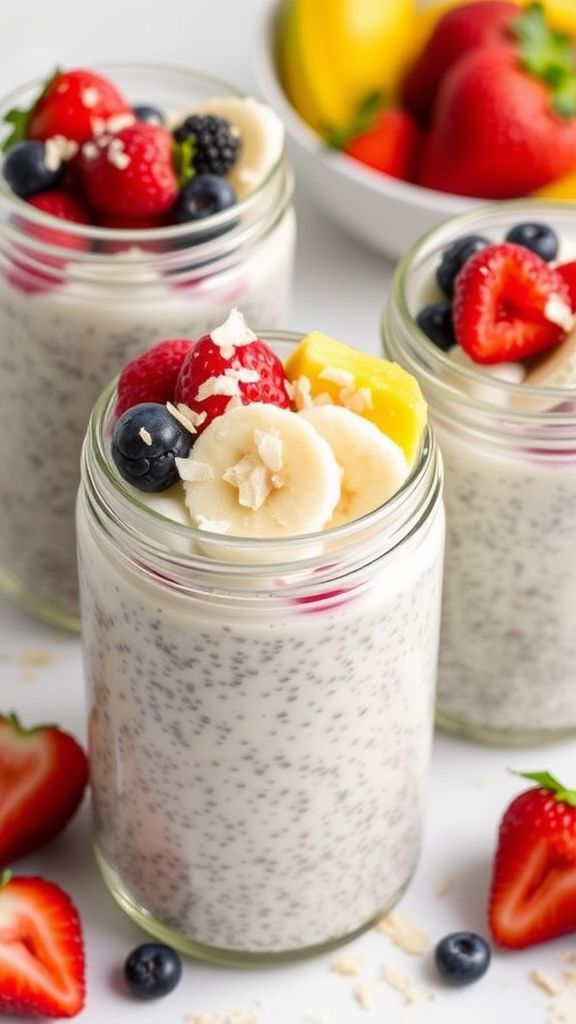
[260, 471]
[262, 134]
[373, 466]
[554, 369]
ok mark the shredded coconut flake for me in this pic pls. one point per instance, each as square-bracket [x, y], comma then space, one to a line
[98, 125]
[288, 388]
[403, 984]
[557, 312]
[242, 374]
[355, 399]
[145, 435]
[218, 386]
[212, 525]
[302, 392]
[344, 378]
[365, 996]
[185, 416]
[233, 333]
[90, 96]
[242, 1017]
[119, 121]
[116, 155]
[404, 933]
[269, 448]
[89, 151]
[349, 965]
[194, 471]
[233, 403]
[57, 150]
[251, 478]
[323, 399]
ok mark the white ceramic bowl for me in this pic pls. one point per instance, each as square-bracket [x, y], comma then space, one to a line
[386, 213]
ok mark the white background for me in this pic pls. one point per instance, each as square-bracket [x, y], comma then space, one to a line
[340, 288]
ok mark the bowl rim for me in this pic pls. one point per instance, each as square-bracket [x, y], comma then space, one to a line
[443, 203]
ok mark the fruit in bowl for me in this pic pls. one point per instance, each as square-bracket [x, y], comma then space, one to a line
[484, 107]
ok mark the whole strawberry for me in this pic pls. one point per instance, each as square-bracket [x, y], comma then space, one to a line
[230, 365]
[152, 376]
[131, 173]
[505, 118]
[533, 890]
[388, 145]
[458, 31]
[77, 105]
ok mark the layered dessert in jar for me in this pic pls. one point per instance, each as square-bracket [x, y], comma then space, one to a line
[121, 222]
[261, 536]
[483, 313]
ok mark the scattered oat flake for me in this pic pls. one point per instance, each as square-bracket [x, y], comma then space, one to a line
[569, 976]
[444, 886]
[545, 982]
[36, 658]
[242, 1017]
[480, 782]
[403, 984]
[145, 435]
[288, 388]
[349, 965]
[365, 996]
[569, 957]
[404, 933]
[203, 1018]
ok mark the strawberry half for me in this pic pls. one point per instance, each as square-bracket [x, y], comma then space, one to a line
[43, 774]
[533, 891]
[41, 950]
[509, 304]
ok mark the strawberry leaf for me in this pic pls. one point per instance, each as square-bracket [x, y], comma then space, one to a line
[184, 152]
[20, 119]
[549, 56]
[547, 781]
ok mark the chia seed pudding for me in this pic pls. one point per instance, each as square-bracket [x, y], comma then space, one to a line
[75, 306]
[261, 712]
[508, 645]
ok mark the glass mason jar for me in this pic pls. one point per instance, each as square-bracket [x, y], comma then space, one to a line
[77, 303]
[508, 638]
[260, 713]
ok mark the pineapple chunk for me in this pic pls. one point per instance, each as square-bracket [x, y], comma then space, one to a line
[377, 389]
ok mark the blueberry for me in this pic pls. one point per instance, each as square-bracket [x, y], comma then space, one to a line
[436, 322]
[152, 970]
[203, 196]
[26, 172]
[462, 958]
[539, 238]
[454, 258]
[148, 114]
[145, 444]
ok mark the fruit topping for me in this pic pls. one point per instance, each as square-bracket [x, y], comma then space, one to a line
[373, 467]
[43, 774]
[539, 238]
[567, 272]
[388, 145]
[509, 304]
[148, 114]
[556, 368]
[66, 206]
[260, 471]
[152, 970]
[322, 369]
[146, 442]
[41, 950]
[215, 142]
[131, 174]
[462, 957]
[203, 196]
[152, 376]
[30, 167]
[453, 259]
[228, 367]
[77, 105]
[533, 889]
[435, 320]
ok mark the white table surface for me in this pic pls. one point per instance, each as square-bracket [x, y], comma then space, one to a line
[340, 287]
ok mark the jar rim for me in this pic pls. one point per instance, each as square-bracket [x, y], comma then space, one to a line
[431, 362]
[425, 466]
[133, 237]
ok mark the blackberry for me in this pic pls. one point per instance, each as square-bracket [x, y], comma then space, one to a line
[216, 142]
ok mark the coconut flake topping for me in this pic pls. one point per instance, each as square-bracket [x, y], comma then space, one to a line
[194, 471]
[233, 333]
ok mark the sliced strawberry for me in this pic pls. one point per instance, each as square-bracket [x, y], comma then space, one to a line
[508, 304]
[212, 375]
[78, 105]
[132, 173]
[152, 376]
[41, 950]
[390, 145]
[567, 272]
[533, 891]
[43, 774]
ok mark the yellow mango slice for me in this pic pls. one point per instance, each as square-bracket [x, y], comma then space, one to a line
[379, 390]
[562, 188]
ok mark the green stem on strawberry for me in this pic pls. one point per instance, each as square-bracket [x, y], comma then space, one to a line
[20, 119]
[184, 152]
[363, 120]
[5, 878]
[549, 56]
[547, 781]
